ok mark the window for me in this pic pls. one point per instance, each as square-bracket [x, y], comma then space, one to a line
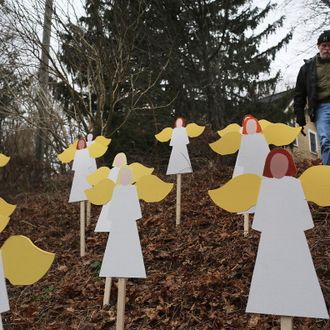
[312, 139]
[293, 123]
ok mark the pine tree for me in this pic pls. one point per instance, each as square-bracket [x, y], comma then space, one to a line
[195, 58]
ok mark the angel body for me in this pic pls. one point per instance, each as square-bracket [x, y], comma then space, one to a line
[284, 280]
[179, 161]
[82, 167]
[123, 255]
[251, 155]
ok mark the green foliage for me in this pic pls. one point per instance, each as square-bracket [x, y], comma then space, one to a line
[138, 64]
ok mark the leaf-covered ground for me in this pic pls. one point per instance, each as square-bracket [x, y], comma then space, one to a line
[198, 274]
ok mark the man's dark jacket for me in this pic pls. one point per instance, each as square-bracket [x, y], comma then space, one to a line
[306, 90]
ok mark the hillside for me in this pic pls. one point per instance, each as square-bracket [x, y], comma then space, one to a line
[198, 274]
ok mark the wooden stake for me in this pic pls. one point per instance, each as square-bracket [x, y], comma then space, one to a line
[246, 224]
[121, 304]
[1, 327]
[107, 290]
[178, 199]
[286, 323]
[88, 220]
[82, 229]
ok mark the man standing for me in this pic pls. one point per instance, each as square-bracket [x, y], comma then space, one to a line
[313, 88]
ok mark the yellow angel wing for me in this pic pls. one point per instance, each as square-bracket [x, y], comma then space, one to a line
[139, 170]
[230, 128]
[99, 175]
[152, 189]
[102, 140]
[264, 123]
[3, 160]
[238, 194]
[165, 135]
[68, 154]
[280, 134]
[99, 147]
[97, 150]
[6, 209]
[228, 144]
[194, 130]
[316, 184]
[23, 262]
[101, 193]
[3, 222]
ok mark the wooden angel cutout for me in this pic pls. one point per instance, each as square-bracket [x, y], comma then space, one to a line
[123, 255]
[83, 155]
[21, 262]
[104, 220]
[284, 280]
[179, 162]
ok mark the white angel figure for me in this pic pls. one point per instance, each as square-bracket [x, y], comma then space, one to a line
[82, 166]
[179, 162]
[120, 160]
[123, 256]
[284, 280]
[83, 155]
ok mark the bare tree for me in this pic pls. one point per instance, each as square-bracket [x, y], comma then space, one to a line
[44, 79]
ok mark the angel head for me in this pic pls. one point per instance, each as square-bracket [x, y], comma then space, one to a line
[81, 144]
[89, 137]
[119, 160]
[180, 122]
[279, 163]
[250, 125]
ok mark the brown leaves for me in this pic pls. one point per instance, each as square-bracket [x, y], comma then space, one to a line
[198, 274]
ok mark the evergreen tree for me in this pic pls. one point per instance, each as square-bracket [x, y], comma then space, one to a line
[195, 58]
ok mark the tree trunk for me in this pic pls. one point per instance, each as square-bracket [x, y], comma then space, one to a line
[43, 82]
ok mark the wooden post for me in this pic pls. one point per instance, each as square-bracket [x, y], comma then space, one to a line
[286, 323]
[82, 229]
[246, 224]
[88, 218]
[178, 199]
[121, 304]
[107, 290]
[1, 327]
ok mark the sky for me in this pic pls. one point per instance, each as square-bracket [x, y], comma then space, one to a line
[288, 60]
[303, 44]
